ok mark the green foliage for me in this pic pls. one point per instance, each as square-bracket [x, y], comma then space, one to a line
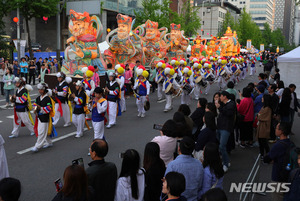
[34, 9]
[247, 29]
[189, 20]
[228, 22]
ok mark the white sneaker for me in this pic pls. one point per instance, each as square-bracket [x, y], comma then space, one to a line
[34, 149]
[108, 126]
[225, 168]
[166, 110]
[139, 114]
[13, 136]
[12, 105]
[47, 145]
[78, 136]
[67, 124]
[32, 133]
[143, 115]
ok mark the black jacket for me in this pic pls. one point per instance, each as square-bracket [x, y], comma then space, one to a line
[102, 176]
[153, 177]
[226, 116]
[274, 103]
[205, 136]
[197, 117]
[268, 66]
[61, 197]
[296, 103]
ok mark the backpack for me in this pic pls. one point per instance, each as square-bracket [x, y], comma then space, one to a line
[290, 157]
[294, 191]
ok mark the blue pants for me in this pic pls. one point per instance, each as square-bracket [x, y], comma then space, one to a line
[223, 136]
[7, 93]
[292, 114]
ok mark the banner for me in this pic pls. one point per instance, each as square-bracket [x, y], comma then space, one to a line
[277, 49]
[22, 47]
[248, 44]
[262, 47]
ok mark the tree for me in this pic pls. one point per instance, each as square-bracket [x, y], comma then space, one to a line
[34, 9]
[190, 21]
[267, 34]
[228, 22]
[151, 11]
[156, 12]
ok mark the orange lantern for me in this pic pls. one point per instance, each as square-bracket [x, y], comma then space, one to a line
[108, 30]
[15, 19]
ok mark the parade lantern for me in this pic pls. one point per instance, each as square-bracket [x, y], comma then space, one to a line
[45, 19]
[15, 19]
[108, 30]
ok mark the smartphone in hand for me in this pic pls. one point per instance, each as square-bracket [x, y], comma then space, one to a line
[58, 184]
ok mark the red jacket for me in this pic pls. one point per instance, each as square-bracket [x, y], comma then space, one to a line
[246, 108]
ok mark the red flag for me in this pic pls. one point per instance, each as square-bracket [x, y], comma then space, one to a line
[59, 106]
[35, 128]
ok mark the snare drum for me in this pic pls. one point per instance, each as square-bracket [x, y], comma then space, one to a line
[237, 72]
[188, 89]
[199, 78]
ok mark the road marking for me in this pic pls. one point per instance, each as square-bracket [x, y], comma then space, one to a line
[10, 116]
[1, 121]
[54, 140]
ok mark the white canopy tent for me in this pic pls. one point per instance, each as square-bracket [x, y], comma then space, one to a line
[289, 65]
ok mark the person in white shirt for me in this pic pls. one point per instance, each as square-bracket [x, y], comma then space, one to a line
[167, 141]
[131, 183]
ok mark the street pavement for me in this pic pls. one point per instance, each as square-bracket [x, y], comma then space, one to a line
[38, 171]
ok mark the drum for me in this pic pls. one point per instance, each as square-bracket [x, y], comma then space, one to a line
[168, 88]
[177, 78]
[199, 78]
[175, 92]
[237, 72]
[160, 80]
[210, 78]
[188, 89]
[203, 83]
[223, 74]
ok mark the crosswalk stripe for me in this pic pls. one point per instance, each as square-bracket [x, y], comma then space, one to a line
[10, 116]
[54, 140]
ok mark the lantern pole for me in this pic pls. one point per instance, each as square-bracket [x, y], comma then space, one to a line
[18, 34]
[58, 40]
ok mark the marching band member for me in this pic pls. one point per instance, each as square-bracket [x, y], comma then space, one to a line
[221, 72]
[44, 111]
[78, 117]
[188, 85]
[234, 68]
[159, 79]
[142, 86]
[120, 70]
[169, 83]
[21, 108]
[61, 99]
[252, 67]
[197, 78]
[88, 83]
[99, 106]
[245, 67]
[175, 63]
[113, 97]
[208, 76]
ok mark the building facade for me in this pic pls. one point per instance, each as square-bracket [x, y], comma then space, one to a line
[262, 11]
[212, 15]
